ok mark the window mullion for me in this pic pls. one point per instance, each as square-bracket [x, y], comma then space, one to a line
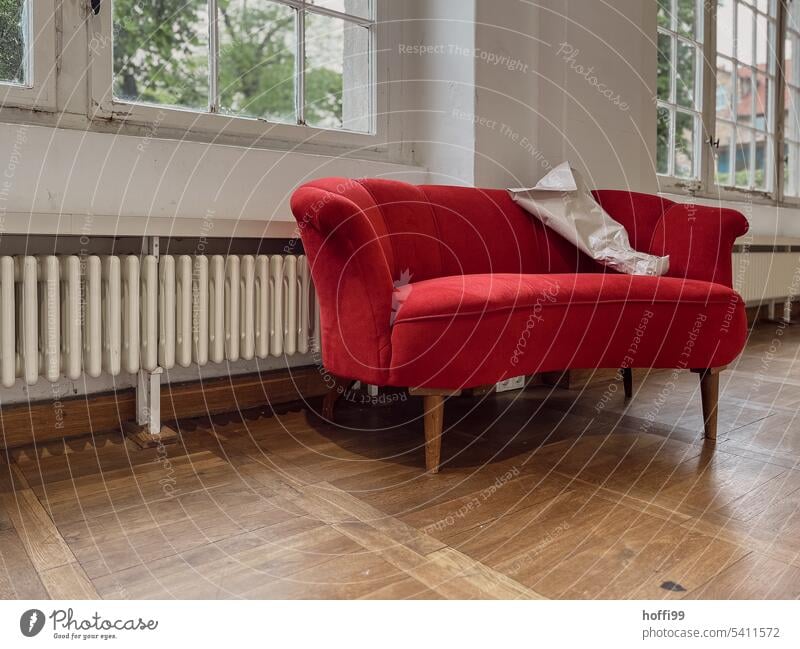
[29, 53]
[673, 95]
[213, 57]
[673, 92]
[779, 106]
[737, 130]
[373, 68]
[672, 150]
[301, 65]
[709, 112]
[754, 130]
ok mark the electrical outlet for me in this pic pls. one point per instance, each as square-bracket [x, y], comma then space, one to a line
[517, 383]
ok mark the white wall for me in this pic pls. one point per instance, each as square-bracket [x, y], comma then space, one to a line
[507, 93]
[502, 101]
[64, 181]
[598, 75]
[436, 48]
[526, 90]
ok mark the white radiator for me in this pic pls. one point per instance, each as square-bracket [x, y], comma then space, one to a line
[66, 315]
[762, 277]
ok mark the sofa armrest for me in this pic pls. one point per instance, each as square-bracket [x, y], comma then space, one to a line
[352, 280]
[699, 241]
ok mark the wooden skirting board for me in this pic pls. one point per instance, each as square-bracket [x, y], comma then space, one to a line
[41, 421]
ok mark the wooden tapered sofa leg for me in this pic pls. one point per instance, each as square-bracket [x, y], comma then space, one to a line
[709, 393]
[339, 387]
[433, 404]
[627, 381]
[434, 424]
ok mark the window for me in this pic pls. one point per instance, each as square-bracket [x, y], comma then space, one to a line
[14, 39]
[27, 53]
[751, 101]
[281, 61]
[745, 110]
[680, 88]
[791, 71]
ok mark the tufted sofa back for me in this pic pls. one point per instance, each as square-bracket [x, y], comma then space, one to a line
[436, 231]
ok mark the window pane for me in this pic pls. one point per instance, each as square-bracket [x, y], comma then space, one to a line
[744, 139]
[791, 180]
[338, 89]
[763, 153]
[789, 64]
[686, 19]
[684, 145]
[257, 45]
[744, 105]
[792, 113]
[763, 45]
[725, 89]
[13, 41]
[763, 101]
[663, 147]
[685, 82]
[744, 34]
[665, 14]
[725, 136]
[161, 52]
[725, 27]
[793, 17]
[664, 66]
[678, 92]
[360, 8]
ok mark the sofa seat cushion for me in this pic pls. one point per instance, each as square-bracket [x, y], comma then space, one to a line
[469, 330]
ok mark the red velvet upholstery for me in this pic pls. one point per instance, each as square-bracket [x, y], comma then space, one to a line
[452, 287]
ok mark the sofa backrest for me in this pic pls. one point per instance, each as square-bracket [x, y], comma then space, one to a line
[429, 231]
[435, 231]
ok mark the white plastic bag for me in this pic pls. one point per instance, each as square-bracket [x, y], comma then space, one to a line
[563, 203]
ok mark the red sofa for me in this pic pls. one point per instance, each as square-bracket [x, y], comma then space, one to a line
[440, 288]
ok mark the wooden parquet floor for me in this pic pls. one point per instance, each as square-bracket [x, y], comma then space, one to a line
[545, 493]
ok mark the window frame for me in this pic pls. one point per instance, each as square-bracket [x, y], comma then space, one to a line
[769, 194]
[706, 186]
[672, 104]
[40, 91]
[780, 101]
[232, 129]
